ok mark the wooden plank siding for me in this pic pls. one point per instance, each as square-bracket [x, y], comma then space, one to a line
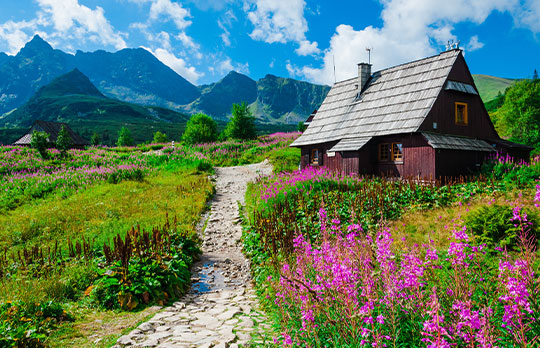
[443, 111]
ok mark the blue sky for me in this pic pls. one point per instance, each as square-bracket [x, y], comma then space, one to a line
[204, 39]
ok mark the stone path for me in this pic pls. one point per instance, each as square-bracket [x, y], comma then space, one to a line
[220, 309]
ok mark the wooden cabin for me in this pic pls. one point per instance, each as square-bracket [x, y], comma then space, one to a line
[423, 119]
[51, 128]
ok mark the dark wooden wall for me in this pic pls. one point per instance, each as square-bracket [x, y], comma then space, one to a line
[453, 163]
[443, 111]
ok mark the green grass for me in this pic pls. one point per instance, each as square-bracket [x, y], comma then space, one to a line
[102, 211]
[490, 86]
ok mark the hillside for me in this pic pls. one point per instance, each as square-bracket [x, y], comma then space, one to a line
[286, 100]
[272, 99]
[216, 99]
[490, 86]
[137, 76]
[73, 99]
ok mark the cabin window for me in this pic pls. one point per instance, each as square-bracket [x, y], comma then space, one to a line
[462, 117]
[315, 156]
[390, 152]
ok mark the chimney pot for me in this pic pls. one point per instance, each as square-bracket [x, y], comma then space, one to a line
[364, 73]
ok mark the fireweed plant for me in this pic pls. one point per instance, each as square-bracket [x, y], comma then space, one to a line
[330, 275]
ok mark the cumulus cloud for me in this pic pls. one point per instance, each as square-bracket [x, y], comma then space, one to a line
[73, 20]
[15, 34]
[280, 21]
[227, 65]
[411, 30]
[170, 10]
[179, 65]
[474, 44]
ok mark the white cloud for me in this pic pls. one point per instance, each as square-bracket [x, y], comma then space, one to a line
[411, 29]
[179, 65]
[171, 10]
[75, 21]
[225, 23]
[474, 44]
[15, 35]
[280, 21]
[227, 65]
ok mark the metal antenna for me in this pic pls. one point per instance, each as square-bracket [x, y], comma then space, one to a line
[368, 49]
[334, 61]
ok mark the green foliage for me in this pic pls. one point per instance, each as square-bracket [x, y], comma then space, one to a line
[160, 138]
[490, 86]
[40, 142]
[200, 128]
[494, 225]
[285, 160]
[519, 116]
[29, 324]
[63, 141]
[95, 140]
[124, 137]
[301, 127]
[242, 123]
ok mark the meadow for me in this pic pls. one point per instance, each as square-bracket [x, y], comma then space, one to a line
[347, 261]
[103, 234]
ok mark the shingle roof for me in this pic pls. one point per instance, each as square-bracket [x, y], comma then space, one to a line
[452, 142]
[396, 100]
[51, 128]
[350, 144]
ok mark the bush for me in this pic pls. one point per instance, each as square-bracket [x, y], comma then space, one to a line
[95, 140]
[124, 137]
[28, 324]
[200, 128]
[242, 124]
[494, 225]
[40, 142]
[63, 142]
[160, 138]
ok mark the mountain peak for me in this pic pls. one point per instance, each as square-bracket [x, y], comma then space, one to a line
[36, 45]
[74, 82]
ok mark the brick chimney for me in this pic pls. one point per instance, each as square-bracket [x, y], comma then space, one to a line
[364, 73]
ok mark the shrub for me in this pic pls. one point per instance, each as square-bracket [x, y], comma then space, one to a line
[301, 127]
[124, 137]
[160, 138]
[28, 324]
[495, 224]
[40, 142]
[95, 140]
[242, 124]
[285, 160]
[200, 128]
[63, 142]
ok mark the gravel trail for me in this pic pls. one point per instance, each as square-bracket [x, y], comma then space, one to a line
[220, 309]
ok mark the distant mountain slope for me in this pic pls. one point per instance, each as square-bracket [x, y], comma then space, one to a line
[272, 99]
[130, 74]
[73, 99]
[490, 86]
[34, 66]
[3, 58]
[217, 99]
[135, 75]
[287, 100]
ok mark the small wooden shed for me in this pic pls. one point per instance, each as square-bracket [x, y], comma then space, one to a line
[423, 119]
[51, 128]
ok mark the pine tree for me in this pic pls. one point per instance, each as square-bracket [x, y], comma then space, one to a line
[242, 124]
[40, 142]
[124, 137]
[95, 140]
[63, 141]
[535, 75]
